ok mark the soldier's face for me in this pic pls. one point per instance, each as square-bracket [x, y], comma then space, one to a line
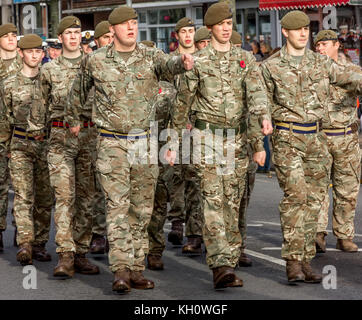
[32, 57]
[298, 39]
[70, 39]
[328, 48]
[104, 40]
[54, 53]
[8, 42]
[125, 34]
[222, 31]
[202, 44]
[185, 36]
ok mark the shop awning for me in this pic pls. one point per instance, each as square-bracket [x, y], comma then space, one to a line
[298, 4]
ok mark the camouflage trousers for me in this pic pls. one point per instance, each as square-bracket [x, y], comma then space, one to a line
[186, 193]
[222, 186]
[71, 177]
[99, 225]
[185, 196]
[33, 198]
[4, 187]
[249, 186]
[129, 189]
[345, 176]
[302, 166]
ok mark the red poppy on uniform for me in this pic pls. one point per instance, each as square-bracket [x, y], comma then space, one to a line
[242, 64]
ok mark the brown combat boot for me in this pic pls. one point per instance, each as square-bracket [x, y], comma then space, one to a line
[138, 281]
[154, 262]
[65, 266]
[236, 283]
[82, 265]
[176, 234]
[320, 242]
[24, 254]
[122, 281]
[98, 244]
[244, 260]
[1, 242]
[294, 271]
[40, 253]
[310, 275]
[193, 246]
[223, 277]
[346, 245]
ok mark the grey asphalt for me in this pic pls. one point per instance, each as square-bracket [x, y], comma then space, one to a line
[189, 277]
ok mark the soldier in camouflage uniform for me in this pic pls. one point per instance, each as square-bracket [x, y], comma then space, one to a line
[222, 89]
[69, 156]
[28, 165]
[125, 77]
[156, 237]
[10, 63]
[341, 128]
[185, 193]
[298, 82]
[102, 37]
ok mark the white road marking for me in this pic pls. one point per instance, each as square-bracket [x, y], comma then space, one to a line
[279, 248]
[265, 257]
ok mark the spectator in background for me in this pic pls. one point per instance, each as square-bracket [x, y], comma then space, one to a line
[247, 45]
[256, 50]
[265, 49]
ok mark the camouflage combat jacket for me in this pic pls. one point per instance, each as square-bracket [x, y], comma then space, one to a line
[124, 90]
[342, 109]
[223, 91]
[56, 79]
[15, 66]
[301, 92]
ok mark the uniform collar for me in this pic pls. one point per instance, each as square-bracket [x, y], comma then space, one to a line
[135, 56]
[286, 58]
[61, 59]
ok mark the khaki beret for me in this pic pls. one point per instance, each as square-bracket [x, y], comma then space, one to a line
[68, 22]
[30, 41]
[294, 20]
[101, 29]
[217, 13]
[325, 35]
[184, 22]
[7, 28]
[236, 38]
[149, 43]
[202, 34]
[122, 14]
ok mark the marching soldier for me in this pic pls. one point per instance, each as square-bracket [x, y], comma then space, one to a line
[28, 164]
[10, 63]
[69, 157]
[102, 35]
[298, 83]
[125, 77]
[222, 89]
[185, 193]
[341, 128]
[202, 38]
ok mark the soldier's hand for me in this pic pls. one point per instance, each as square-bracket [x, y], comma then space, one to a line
[39, 138]
[267, 127]
[75, 130]
[188, 61]
[259, 158]
[170, 157]
[9, 155]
